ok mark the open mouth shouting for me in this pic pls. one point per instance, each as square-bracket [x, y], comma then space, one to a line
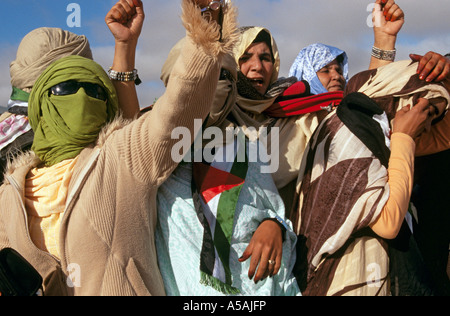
[258, 84]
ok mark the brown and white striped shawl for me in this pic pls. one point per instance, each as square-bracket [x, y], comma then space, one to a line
[343, 186]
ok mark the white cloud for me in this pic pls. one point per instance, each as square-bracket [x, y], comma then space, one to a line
[298, 23]
[8, 54]
[294, 23]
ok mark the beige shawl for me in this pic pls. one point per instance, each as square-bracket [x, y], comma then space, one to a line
[294, 132]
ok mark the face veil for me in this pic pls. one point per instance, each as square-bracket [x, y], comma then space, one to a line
[65, 125]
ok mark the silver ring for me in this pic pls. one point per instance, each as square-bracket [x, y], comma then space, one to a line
[271, 262]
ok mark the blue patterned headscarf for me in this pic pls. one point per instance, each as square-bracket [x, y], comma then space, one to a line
[313, 58]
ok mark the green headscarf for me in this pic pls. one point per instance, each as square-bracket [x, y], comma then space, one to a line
[65, 125]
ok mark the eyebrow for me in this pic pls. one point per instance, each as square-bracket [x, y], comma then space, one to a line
[262, 54]
[334, 65]
[327, 67]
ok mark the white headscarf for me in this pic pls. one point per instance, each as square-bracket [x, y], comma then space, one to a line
[313, 58]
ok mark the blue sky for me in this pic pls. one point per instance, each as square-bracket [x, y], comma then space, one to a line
[18, 17]
[294, 23]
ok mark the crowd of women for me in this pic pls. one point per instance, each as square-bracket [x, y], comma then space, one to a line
[90, 181]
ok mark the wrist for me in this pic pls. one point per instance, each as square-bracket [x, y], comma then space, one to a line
[403, 134]
[127, 44]
[124, 56]
[385, 41]
[280, 223]
[384, 55]
[122, 76]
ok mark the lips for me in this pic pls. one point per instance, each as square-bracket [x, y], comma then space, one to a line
[336, 88]
[258, 81]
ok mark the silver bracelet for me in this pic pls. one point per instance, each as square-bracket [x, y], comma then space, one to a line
[124, 76]
[388, 55]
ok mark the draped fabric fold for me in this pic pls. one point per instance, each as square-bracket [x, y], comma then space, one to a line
[343, 184]
[296, 101]
[216, 190]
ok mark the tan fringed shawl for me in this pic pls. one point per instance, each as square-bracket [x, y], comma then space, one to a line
[230, 110]
[343, 187]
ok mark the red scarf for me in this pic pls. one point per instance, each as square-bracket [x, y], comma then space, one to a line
[296, 100]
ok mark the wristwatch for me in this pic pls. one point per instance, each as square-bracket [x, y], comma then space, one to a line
[214, 5]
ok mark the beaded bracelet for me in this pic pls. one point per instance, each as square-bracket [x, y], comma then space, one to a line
[124, 76]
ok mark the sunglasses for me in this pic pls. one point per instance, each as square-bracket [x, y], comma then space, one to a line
[71, 87]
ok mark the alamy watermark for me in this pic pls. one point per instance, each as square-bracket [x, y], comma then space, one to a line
[74, 275]
[374, 278]
[74, 18]
[376, 15]
[209, 140]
